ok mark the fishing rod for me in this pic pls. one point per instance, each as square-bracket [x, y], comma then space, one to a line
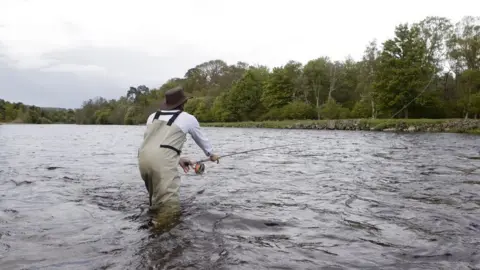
[199, 165]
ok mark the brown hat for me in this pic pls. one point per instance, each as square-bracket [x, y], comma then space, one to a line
[174, 98]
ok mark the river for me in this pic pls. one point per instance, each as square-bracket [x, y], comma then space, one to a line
[71, 198]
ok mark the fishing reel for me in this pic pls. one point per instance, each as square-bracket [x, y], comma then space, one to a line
[198, 167]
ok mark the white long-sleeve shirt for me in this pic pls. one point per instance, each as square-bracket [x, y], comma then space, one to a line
[190, 125]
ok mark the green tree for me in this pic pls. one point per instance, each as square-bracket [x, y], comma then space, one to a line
[402, 70]
[279, 89]
[244, 101]
[367, 105]
[316, 81]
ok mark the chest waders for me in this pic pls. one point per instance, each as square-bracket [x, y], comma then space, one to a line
[158, 159]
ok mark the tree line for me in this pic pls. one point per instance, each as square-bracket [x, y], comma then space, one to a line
[429, 69]
[18, 112]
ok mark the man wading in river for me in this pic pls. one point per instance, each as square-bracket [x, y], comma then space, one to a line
[159, 154]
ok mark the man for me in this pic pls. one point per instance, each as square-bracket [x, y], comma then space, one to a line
[159, 154]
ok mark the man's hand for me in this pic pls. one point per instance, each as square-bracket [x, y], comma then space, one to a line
[185, 163]
[214, 158]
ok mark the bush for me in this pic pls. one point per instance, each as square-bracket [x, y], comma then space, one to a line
[333, 110]
[296, 110]
[362, 109]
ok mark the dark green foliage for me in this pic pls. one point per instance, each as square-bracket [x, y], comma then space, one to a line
[21, 113]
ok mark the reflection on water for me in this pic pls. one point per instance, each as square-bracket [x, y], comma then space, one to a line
[72, 197]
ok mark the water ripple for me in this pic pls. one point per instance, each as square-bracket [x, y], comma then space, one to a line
[71, 197]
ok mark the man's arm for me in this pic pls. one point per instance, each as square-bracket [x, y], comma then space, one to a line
[200, 139]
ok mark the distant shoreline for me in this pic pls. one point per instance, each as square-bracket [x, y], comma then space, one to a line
[471, 126]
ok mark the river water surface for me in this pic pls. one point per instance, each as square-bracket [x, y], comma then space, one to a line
[71, 198]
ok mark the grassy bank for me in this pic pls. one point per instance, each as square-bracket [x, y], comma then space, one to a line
[399, 125]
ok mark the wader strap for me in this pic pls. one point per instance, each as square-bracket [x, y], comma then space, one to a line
[175, 115]
[171, 147]
[170, 122]
[158, 113]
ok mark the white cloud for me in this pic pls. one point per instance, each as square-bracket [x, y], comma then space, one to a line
[77, 69]
[276, 29]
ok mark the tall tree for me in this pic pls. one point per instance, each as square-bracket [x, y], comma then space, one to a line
[464, 54]
[402, 70]
[368, 70]
[279, 88]
[316, 79]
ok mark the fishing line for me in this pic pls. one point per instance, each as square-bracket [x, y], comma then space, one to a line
[199, 166]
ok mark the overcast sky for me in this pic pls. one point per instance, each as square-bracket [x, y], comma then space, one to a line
[62, 52]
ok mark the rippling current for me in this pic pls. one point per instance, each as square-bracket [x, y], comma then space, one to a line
[71, 198]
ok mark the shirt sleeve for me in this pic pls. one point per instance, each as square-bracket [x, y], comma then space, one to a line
[199, 137]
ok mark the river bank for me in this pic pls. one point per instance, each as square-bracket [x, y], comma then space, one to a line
[471, 126]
